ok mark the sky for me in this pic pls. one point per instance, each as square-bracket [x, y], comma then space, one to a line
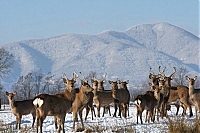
[36, 19]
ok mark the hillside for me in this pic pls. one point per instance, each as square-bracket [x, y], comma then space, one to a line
[127, 54]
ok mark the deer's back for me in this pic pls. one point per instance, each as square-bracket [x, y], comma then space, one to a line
[23, 107]
[54, 105]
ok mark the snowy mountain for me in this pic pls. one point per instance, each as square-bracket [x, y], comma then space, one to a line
[126, 55]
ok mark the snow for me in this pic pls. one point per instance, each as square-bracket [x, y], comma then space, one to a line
[107, 123]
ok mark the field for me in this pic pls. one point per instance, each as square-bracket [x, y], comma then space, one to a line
[103, 124]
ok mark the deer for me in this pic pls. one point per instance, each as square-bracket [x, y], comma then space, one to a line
[89, 105]
[121, 96]
[68, 95]
[51, 105]
[20, 108]
[148, 101]
[70, 91]
[80, 102]
[178, 94]
[101, 98]
[194, 94]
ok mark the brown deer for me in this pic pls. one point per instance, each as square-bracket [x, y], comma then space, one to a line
[80, 102]
[101, 98]
[51, 105]
[68, 95]
[194, 94]
[114, 86]
[20, 108]
[122, 97]
[69, 92]
[178, 94]
[148, 101]
[89, 107]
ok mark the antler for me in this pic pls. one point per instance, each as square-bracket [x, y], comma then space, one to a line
[173, 72]
[75, 75]
[162, 71]
[104, 79]
[64, 75]
[85, 80]
[150, 71]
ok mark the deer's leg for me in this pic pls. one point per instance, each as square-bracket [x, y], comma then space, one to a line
[140, 114]
[120, 109]
[55, 120]
[63, 124]
[19, 117]
[109, 110]
[87, 112]
[98, 110]
[146, 118]
[59, 123]
[177, 107]
[75, 119]
[115, 106]
[41, 123]
[80, 115]
[93, 110]
[137, 115]
[37, 123]
[33, 120]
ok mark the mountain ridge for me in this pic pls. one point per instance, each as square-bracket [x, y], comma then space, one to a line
[126, 54]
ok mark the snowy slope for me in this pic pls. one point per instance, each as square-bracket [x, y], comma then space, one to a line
[127, 54]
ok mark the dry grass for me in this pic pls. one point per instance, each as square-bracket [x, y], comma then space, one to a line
[180, 125]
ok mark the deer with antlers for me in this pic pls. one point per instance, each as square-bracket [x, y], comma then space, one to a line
[176, 93]
[56, 105]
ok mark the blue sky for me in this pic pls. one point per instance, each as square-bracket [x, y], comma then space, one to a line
[35, 19]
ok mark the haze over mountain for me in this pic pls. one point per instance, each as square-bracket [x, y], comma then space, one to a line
[126, 55]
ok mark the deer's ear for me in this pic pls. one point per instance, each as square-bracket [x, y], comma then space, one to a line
[127, 81]
[64, 80]
[172, 77]
[195, 77]
[15, 93]
[187, 78]
[7, 93]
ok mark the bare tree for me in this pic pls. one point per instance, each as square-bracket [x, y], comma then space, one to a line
[6, 62]
[180, 76]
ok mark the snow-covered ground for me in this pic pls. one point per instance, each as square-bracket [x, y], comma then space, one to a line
[105, 124]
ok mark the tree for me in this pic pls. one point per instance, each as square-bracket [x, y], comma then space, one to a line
[180, 76]
[6, 62]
